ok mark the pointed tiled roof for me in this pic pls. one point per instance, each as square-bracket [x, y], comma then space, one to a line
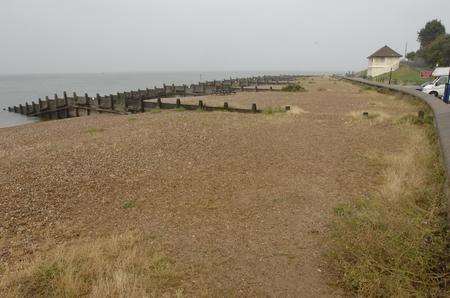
[385, 52]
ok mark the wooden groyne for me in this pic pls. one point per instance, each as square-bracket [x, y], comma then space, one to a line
[137, 101]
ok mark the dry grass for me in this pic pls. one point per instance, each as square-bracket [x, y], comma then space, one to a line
[128, 265]
[392, 242]
[377, 115]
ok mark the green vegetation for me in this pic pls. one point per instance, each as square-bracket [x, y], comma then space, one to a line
[428, 34]
[293, 88]
[434, 45]
[92, 131]
[155, 110]
[180, 109]
[392, 242]
[404, 75]
[128, 204]
[274, 110]
[367, 88]
[120, 266]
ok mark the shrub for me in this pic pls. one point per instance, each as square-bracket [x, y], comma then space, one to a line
[293, 88]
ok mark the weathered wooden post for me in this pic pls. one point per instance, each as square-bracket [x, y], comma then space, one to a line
[254, 109]
[421, 115]
[56, 111]
[111, 99]
[256, 88]
[200, 104]
[75, 98]
[147, 92]
[66, 104]
[178, 103]
[21, 109]
[40, 104]
[288, 108]
[16, 109]
[184, 89]
[99, 101]
[47, 103]
[87, 102]
[26, 108]
[9, 109]
[225, 106]
[33, 105]
[142, 103]
[125, 102]
[159, 103]
[56, 106]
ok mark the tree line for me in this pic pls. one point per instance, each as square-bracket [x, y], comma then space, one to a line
[434, 45]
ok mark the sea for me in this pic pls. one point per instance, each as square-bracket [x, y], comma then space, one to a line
[18, 89]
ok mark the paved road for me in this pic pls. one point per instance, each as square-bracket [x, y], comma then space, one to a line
[442, 115]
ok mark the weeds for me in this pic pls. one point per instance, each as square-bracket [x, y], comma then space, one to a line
[293, 88]
[155, 111]
[119, 266]
[272, 111]
[92, 131]
[392, 243]
[128, 205]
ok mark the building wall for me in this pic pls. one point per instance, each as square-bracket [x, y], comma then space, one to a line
[379, 65]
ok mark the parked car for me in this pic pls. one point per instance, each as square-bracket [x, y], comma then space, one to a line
[437, 87]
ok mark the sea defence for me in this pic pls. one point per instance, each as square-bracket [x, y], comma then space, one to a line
[141, 100]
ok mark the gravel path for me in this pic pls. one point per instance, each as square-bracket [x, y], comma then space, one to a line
[240, 201]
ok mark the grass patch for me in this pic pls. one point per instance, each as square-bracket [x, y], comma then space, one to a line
[132, 119]
[393, 241]
[293, 88]
[155, 110]
[119, 266]
[128, 204]
[273, 110]
[372, 115]
[366, 88]
[180, 109]
[92, 131]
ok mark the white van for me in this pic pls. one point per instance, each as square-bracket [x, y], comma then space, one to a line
[437, 87]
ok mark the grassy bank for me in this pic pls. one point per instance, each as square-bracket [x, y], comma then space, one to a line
[392, 242]
[405, 75]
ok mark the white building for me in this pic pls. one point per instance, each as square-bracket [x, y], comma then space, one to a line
[383, 61]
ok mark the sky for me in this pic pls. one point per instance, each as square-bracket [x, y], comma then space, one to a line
[92, 36]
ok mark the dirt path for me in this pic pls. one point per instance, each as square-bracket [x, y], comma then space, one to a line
[240, 202]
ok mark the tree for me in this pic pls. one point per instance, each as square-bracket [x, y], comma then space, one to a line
[411, 56]
[430, 32]
[438, 52]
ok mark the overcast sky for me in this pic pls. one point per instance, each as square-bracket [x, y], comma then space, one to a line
[64, 36]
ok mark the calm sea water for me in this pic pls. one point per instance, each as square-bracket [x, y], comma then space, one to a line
[17, 89]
